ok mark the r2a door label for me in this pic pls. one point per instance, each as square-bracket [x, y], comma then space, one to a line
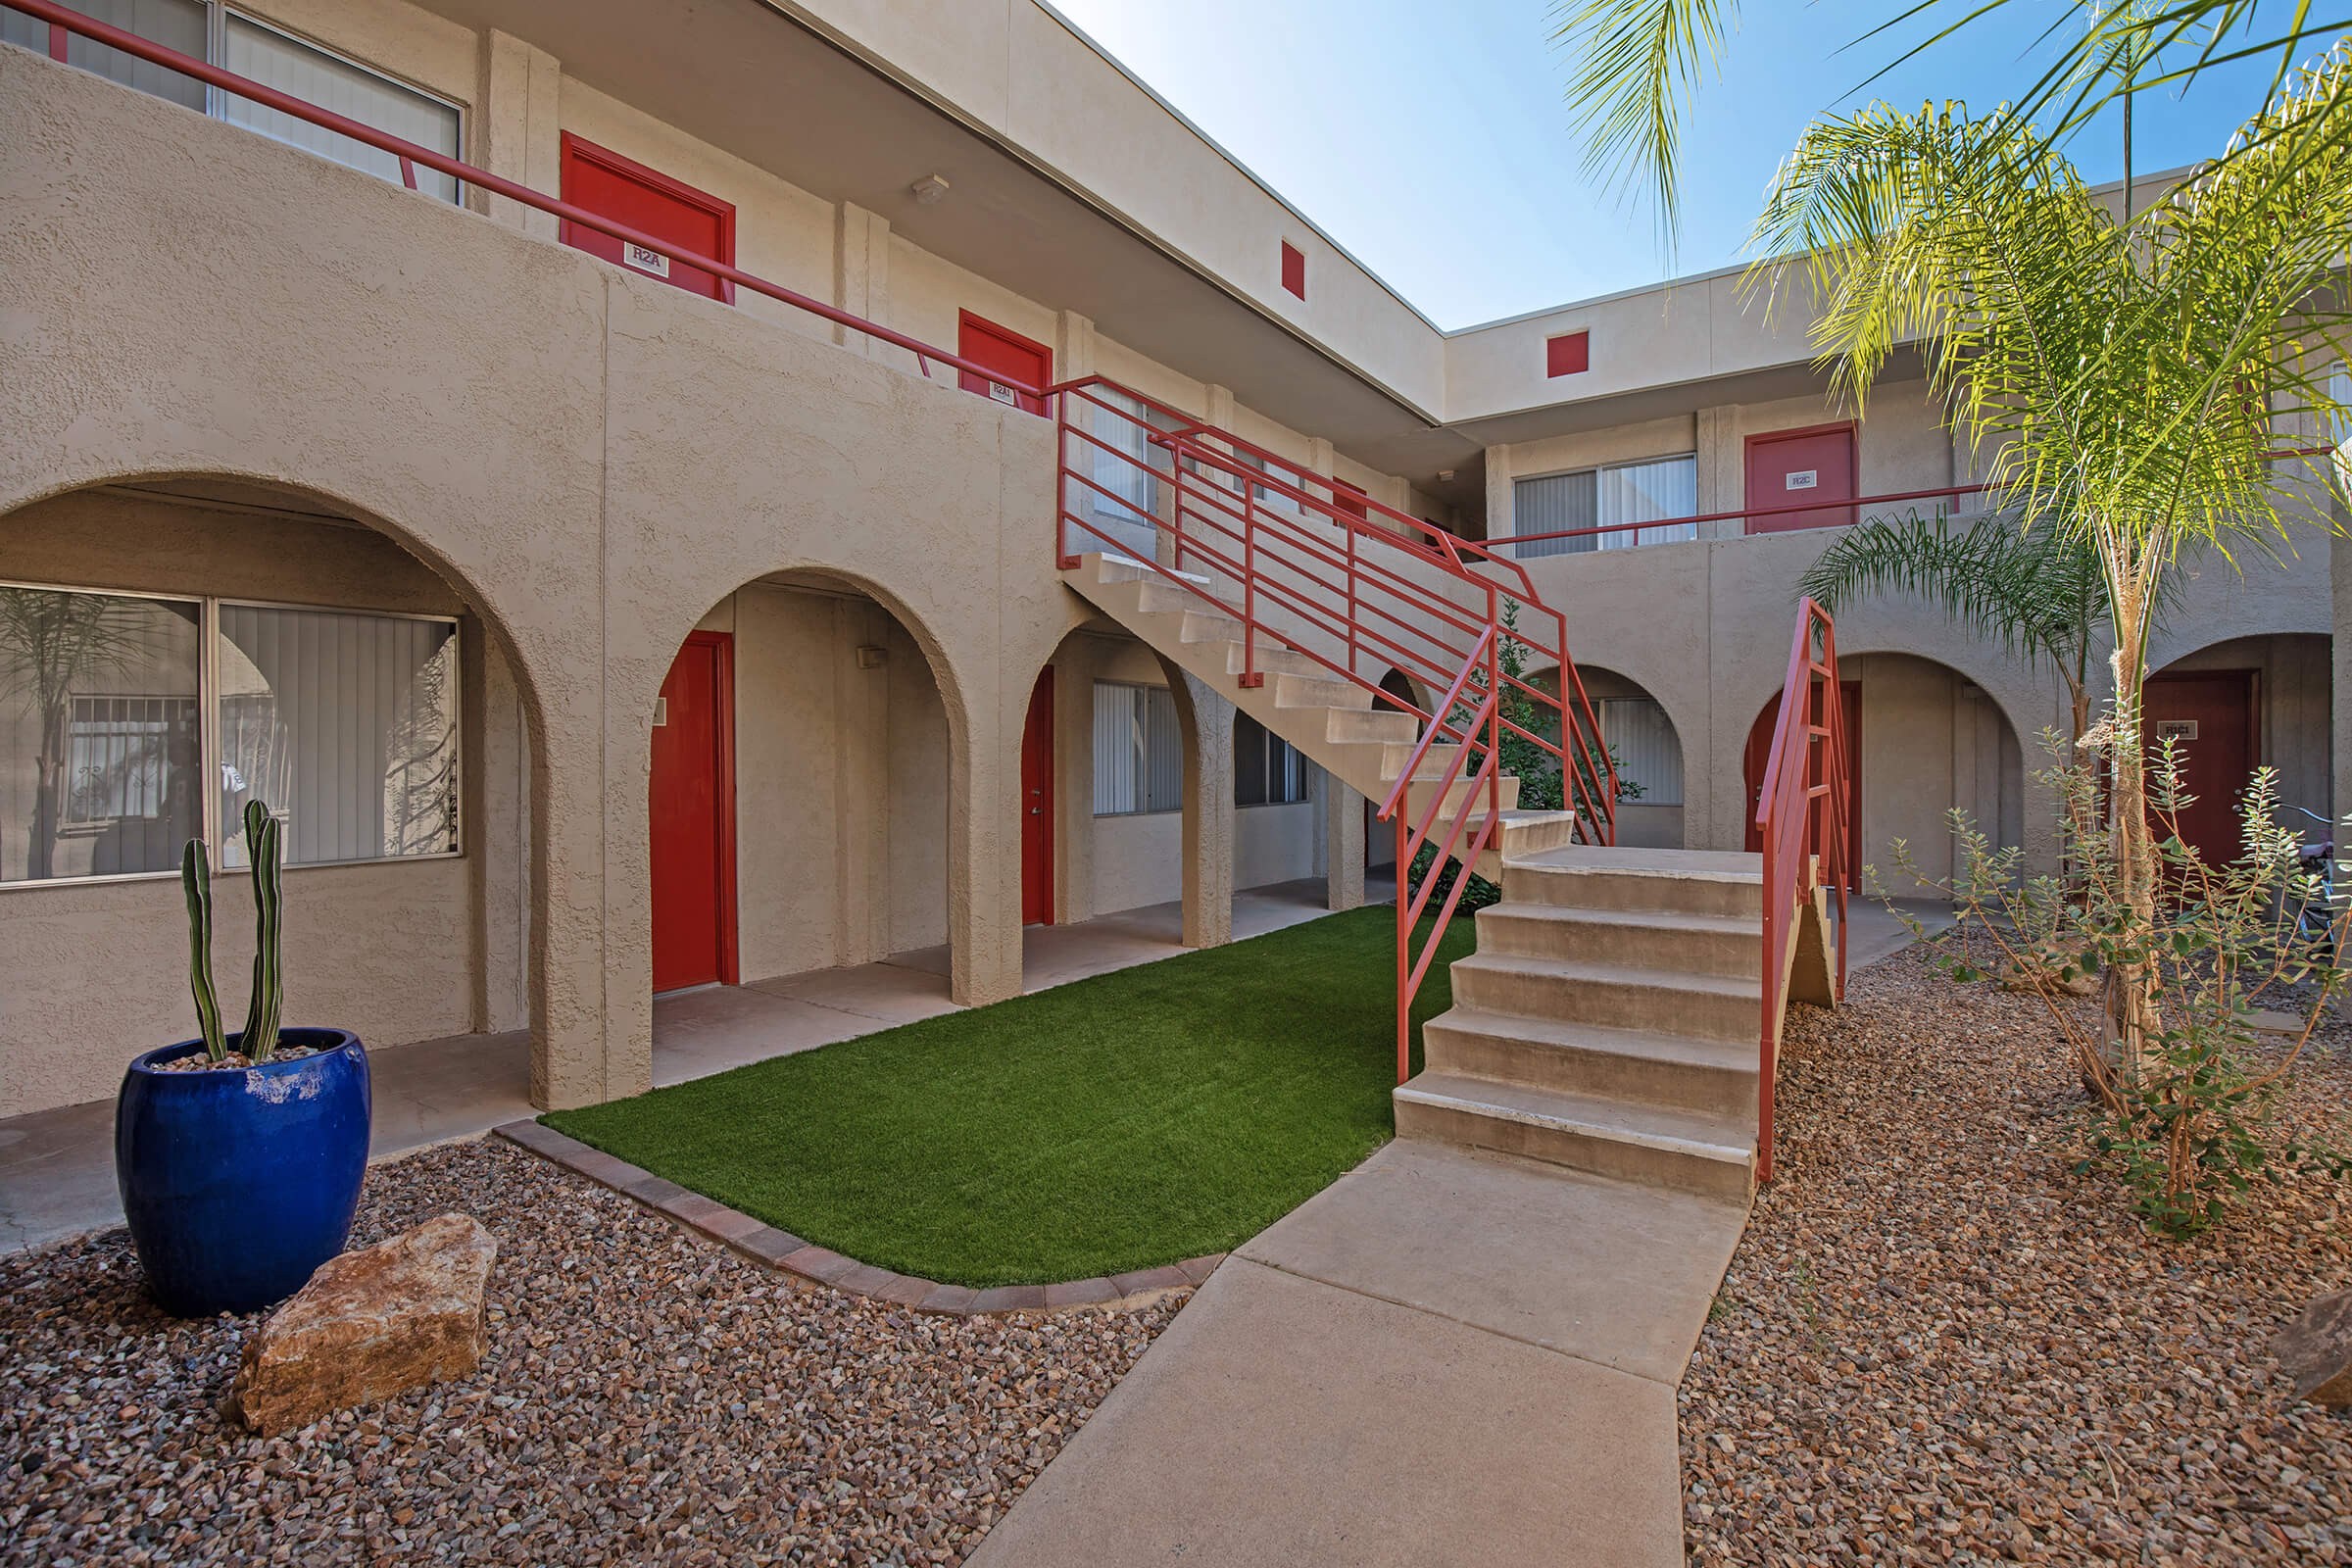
[643, 259]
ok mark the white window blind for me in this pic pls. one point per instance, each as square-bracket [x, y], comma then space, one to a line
[293, 67]
[1125, 472]
[175, 23]
[346, 726]
[1660, 490]
[1138, 752]
[1643, 741]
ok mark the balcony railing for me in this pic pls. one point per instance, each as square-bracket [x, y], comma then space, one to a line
[1623, 535]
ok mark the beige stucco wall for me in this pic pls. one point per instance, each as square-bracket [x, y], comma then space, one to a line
[398, 950]
[589, 459]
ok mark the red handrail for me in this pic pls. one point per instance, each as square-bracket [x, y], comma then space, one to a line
[1801, 814]
[62, 21]
[1851, 504]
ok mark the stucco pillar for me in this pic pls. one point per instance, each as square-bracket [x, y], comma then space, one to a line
[1343, 844]
[1208, 835]
[1073, 346]
[518, 135]
[860, 781]
[860, 273]
[1709, 431]
[592, 1037]
[1074, 780]
[984, 844]
[1503, 517]
[498, 814]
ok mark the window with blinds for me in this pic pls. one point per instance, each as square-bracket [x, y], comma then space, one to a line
[1647, 753]
[1659, 490]
[1268, 770]
[346, 726]
[271, 58]
[1138, 752]
[1123, 505]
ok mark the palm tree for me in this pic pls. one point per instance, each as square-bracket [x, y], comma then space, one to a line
[1641, 62]
[2128, 379]
[2033, 591]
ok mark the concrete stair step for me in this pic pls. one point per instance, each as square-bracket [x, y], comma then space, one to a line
[1662, 939]
[1714, 1076]
[1605, 877]
[1433, 762]
[1357, 726]
[1663, 1146]
[1272, 660]
[1317, 691]
[1612, 995]
[1463, 794]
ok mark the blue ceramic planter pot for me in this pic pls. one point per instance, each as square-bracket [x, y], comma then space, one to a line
[237, 1184]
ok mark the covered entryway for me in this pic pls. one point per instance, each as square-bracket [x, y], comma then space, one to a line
[692, 818]
[1758, 754]
[1037, 803]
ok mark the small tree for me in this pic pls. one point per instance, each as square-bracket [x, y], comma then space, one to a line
[2127, 378]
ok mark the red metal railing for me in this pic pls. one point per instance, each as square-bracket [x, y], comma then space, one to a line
[1852, 508]
[1360, 590]
[1801, 812]
[63, 22]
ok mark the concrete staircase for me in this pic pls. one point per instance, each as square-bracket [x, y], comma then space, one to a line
[1608, 1021]
[1329, 719]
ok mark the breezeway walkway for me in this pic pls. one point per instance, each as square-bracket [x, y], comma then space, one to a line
[57, 1168]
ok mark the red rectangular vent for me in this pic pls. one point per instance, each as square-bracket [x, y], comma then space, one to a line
[1294, 268]
[1568, 354]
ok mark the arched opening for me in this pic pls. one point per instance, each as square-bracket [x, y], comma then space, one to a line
[1398, 694]
[1644, 748]
[797, 808]
[2234, 706]
[174, 649]
[1922, 739]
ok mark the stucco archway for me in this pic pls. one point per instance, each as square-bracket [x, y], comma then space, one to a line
[360, 685]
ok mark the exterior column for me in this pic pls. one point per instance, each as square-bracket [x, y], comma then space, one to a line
[592, 1035]
[517, 135]
[984, 849]
[1343, 844]
[861, 274]
[1503, 517]
[1207, 721]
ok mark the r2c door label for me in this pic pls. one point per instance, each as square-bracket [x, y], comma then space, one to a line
[1804, 479]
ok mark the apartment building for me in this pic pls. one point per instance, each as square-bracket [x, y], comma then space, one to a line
[603, 624]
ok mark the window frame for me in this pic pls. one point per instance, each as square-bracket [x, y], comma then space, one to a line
[208, 821]
[1092, 792]
[1265, 762]
[1566, 547]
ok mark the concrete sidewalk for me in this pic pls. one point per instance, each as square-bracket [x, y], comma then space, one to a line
[1446, 1357]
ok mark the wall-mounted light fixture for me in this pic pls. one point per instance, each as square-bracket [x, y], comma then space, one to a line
[929, 189]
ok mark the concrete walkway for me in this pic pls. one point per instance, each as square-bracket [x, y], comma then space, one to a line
[57, 1168]
[1445, 1357]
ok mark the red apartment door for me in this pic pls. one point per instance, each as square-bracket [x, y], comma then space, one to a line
[692, 809]
[2210, 712]
[1791, 466]
[1759, 753]
[1037, 804]
[1006, 351]
[612, 186]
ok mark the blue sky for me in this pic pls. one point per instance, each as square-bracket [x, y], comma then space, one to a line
[1433, 141]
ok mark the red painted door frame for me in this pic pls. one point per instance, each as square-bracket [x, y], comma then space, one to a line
[1000, 348]
[1789, 521]
[1037, 803]
[576, 150]
[717, 648]
[1759, 752]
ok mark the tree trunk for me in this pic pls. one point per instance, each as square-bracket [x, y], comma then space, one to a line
[2132, 997]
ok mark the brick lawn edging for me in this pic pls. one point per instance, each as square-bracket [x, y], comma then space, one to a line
[781, 1250]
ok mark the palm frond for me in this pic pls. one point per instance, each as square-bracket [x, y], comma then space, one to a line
[1637, 66]
[2033, 591]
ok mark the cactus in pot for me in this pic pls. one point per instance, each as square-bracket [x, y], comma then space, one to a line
[258, 1041]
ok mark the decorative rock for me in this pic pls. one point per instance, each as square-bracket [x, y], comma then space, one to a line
[368, 1325]
[2316, 1350]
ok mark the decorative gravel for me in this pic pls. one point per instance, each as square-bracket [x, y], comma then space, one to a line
[647, 1397]
[1936, 1344]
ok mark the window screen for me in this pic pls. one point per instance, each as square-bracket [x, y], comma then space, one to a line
[1611, 497]
[174, 23]
[346, 726]
[1643, 741]
[292, 67]
[1124, 471]
[1138, 752]
[1268, 770]
[99, 743]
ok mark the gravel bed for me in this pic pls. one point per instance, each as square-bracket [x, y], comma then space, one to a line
[1936, 1344]
[647, 1397]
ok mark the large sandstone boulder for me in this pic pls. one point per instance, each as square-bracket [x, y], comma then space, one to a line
[2316, 1350]
[368, 1325]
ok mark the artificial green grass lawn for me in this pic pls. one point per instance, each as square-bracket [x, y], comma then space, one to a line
[1115, 1123]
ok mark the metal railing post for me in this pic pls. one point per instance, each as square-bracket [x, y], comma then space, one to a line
[1351, 591]
[1405, 951]
[1249, 674]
